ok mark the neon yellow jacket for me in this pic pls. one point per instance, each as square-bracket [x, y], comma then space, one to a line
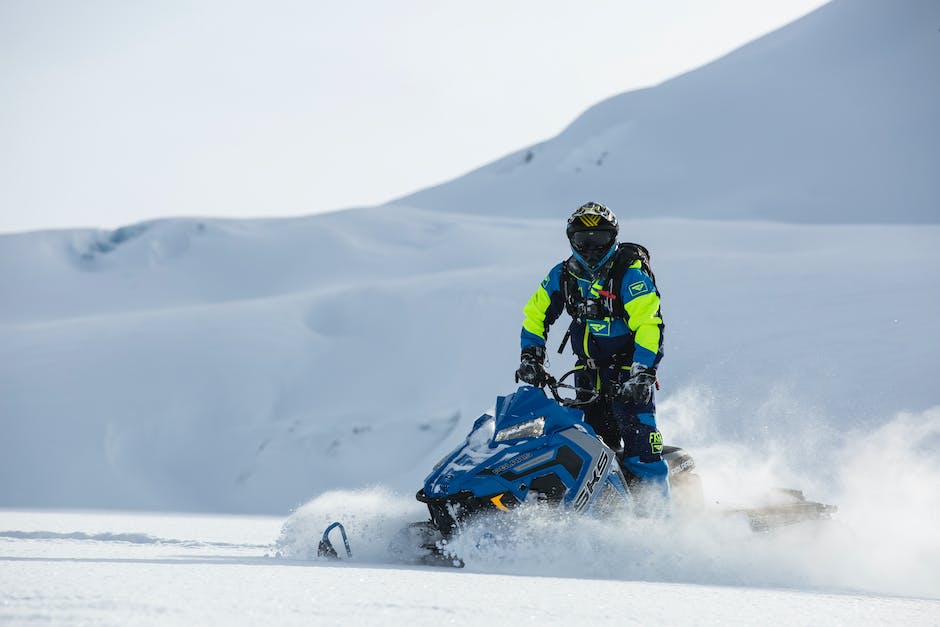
[633, 332]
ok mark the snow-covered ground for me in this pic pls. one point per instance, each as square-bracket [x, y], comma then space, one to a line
[135, 569]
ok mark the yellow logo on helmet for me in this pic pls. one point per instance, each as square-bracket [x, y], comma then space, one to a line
[587, 220]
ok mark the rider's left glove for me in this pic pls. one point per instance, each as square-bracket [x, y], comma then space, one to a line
[531, 369]
[638, 389]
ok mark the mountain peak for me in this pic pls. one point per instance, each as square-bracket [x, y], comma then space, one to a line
[829, 119]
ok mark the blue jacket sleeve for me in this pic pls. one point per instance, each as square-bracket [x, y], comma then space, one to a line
[641, 302]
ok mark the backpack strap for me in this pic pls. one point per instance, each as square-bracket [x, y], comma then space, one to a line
[569, 285]
[627, 254]
[567, 293]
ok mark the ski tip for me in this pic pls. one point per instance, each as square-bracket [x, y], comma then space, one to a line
[326, 549]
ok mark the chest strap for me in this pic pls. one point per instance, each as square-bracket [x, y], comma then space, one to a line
[618, 360]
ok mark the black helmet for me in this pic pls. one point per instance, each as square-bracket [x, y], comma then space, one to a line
[592, 231]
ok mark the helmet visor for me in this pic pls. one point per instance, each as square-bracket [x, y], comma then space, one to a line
[592, 245]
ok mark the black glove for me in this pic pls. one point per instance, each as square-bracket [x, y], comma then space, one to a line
[530, 369]
[638, 389]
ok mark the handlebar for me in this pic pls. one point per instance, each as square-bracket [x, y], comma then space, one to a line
[590, 394]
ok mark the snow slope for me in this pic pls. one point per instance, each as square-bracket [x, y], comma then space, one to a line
[246, 366]
[832, 118]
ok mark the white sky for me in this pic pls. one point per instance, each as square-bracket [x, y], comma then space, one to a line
[116, 111]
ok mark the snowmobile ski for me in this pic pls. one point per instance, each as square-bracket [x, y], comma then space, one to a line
[799, 510]
[326, 549]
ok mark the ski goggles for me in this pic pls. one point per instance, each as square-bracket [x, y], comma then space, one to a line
[583, 241]
[590, 215]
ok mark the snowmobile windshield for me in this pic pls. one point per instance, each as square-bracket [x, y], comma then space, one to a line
[592, 245]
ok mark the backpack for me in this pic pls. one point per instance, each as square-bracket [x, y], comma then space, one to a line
[627, 254]
[611, 277]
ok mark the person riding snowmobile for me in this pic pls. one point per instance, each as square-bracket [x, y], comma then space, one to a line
[616, 332]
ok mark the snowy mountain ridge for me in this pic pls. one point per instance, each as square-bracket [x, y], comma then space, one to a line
[831, 119]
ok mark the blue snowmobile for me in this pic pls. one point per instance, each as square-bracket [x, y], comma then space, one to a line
[533, 448]
[537, 448]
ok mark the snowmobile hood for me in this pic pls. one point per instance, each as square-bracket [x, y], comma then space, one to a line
[530, 403]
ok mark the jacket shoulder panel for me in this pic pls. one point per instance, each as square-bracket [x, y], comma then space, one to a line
[552, 282]
[636, 283]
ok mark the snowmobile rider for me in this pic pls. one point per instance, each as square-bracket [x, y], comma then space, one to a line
[616, 332]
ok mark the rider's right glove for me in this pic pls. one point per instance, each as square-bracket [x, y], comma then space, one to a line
[638, 389]
[530, 369]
